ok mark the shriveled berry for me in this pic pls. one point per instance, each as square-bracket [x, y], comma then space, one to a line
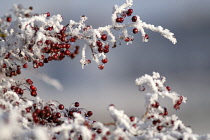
[76, 104]
[89, 113]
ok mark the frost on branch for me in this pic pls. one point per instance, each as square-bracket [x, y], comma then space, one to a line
[24, 118]
[41, 38]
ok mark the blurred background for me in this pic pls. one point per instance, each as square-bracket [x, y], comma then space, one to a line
[185, 65]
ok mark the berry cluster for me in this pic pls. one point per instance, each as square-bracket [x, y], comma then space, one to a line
[120, 19]
[42, 38]
[20, 88]
[55, 44]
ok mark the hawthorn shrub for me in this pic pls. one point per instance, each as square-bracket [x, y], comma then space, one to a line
[28, 37]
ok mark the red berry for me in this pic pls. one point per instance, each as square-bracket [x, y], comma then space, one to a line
[71, 113]
[134, 19]
[159, 128]
[4, 65]
[127, 39]
[104, 60]
[146, 37]
[50, 28]
[46, 60]
[42, 122]
[76, 104]
[76, 51]
[101, 67]
[73, 55]
[99, 44]
[120, 19]
[129, 12]
[89, 113]
[132, 118]
[9, 19]
[135, 30]
[67, 52]
[33, 93]
[50, 58]
[25, 65]
[46, 108]
[106, 50]
[28, 109]
[112, 105]
[68, 46]
[47, 114]
[41, 64]
[77, 47]
[181, 98]
[36, 119]
[63, 39]
[99, 131]
[168, 88]
[179, 102]
[176, 106]
[106, 47]
[58, 115]
[32, 87]
[104, 37]
[48, 42]
[61, 106]
[48, 14]
[42, 112]
[108, 133]
[20, 91]
[72, 39]
[100, 49]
